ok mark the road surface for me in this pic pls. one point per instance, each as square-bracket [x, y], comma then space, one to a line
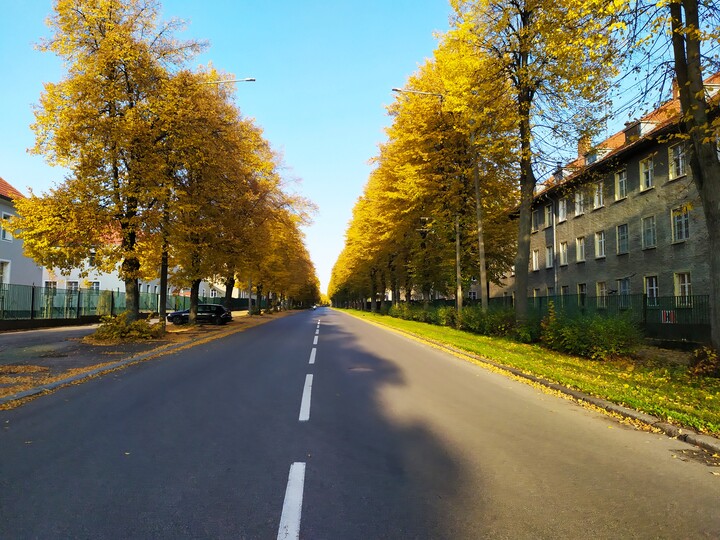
[322, 426]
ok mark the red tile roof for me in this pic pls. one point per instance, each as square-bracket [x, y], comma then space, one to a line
[9, 192]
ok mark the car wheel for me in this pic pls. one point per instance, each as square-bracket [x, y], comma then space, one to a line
[217, 320]
[177, 319]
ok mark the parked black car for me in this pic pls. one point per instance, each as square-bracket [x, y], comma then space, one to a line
[211, 313]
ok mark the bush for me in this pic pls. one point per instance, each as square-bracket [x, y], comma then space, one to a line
[121, 329]
[705, 362]
[446, 316]
[596, 337]
[493, 322]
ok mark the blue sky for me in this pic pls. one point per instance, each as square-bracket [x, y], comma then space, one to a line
[324, 73]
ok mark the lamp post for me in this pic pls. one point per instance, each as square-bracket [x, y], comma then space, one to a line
[458, 273]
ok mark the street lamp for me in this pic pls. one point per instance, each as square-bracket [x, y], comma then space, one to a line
[246, 79]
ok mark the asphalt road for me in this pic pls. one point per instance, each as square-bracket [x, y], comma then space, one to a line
[336, 430]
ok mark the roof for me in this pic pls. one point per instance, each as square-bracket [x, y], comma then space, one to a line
[8, 192]
[662, 118]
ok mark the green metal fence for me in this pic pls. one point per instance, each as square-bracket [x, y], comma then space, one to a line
[33, 302]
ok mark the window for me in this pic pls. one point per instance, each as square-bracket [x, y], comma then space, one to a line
[683, 288]
[95, 286]
[563, 253]
[620, 185]
[652, 290]
[599, 244]
[649, 232]
[4, 272]
[623, 241]
[549, 256]
[564, 290]
[601, 293]
[582, 293]
[580, 249]
[50, 288]
[535, 220]
[472, 295]
[536, 260]
[598, 199]
[536, 293]
[579, 203]
[4, 231]
[91, 258]
[548, 215]
[551, 291]
[623, 286]
[72, 287]
[562, 209]
[678, 162]
[680, 223]
[647, 178]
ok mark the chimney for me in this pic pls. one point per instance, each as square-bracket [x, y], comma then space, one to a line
[584, 145]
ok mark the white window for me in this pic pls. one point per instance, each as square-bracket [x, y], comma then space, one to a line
[683, 288]
[472, 295]
[620, 185]
[652, 290]
[535, 220]
[601, 293]
[647, 175]
[535, 259]
[4, 230]
[582, 293]
[549, 256]
[649, 232]
[548, 215]
[680, 223]
[599, 244]
[563, 253]
[580, 249]
[623, 238]
[72, 287]
[598, 199]
[4, 272]
[50, 288]
[579, 203]
[562, 209]
[95, 286]
[624, 292]
[678, 161]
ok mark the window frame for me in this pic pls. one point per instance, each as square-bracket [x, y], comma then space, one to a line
[5, 233]
[624, 240]
[680, 161]
[652, 297]
[563, 254]
[579, 203]
[580, 242]
[645, 230]
[562, 210]
[621, 174]
[684, 213]
[598, 196]
[535, 260]
[600, 254]
[647, 173]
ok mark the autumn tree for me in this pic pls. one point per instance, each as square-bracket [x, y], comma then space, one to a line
[555, 56]
[99, 122]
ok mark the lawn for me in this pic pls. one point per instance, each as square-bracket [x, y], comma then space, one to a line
[654, 387]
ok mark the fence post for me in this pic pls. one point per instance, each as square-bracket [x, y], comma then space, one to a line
[78, 303]
[32, 302]
[112, 303]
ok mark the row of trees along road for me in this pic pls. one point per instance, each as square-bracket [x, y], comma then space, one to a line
[164, 170]
[518, 79]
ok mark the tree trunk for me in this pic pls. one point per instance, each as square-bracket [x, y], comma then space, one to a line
[458, 273]
[229, 286]
[130, 267]
[527, 189]
[703, 158]
[162, 309]
[482, 265]
[194, 296]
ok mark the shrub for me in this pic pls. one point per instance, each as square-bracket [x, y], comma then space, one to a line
[446, 316]
[493, 322]
[705, 362]
[122, 329]
[596, 337]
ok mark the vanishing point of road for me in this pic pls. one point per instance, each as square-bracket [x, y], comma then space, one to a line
[322, 426]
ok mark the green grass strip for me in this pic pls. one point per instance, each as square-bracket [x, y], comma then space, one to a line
[653, 387]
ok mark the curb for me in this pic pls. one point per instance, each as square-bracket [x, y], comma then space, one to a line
[706, 442]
